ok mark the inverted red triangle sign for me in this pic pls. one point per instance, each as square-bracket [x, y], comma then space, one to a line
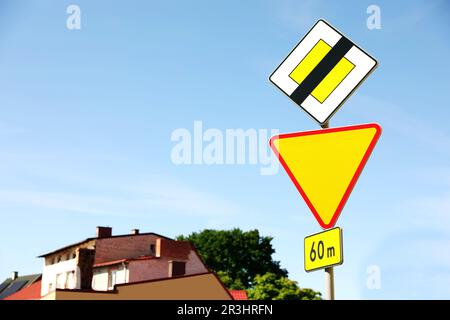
[325, 164]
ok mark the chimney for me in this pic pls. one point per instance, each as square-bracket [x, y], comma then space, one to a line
[85, 265]
[158, 248]
[104, 232]
[135, 231]
[14, 275]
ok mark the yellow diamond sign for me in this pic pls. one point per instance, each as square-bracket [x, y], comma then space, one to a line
[322, 71]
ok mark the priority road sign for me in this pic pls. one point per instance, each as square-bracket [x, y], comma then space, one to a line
[323, 250]
[322, 71]
[325, 164]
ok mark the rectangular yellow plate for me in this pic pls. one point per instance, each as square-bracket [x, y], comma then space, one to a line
[324, 250]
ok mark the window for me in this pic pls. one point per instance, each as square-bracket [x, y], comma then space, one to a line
[70, 280]
[66, 283]
[152, 249]
[177, 268]
[60, 280]
[74, 255]
[112, 279]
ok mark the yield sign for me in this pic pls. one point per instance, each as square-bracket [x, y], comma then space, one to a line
[325, 164]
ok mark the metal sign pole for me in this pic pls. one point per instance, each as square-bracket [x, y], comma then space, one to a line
[329, 272]
[325, 125]
[329, 283]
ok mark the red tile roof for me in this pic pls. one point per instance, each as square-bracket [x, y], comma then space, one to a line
[239, 294]
[32, 292]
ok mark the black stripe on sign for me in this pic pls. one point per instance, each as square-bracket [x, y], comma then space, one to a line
[324, 67]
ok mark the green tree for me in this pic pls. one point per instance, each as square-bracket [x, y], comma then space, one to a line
[274, 287]
[229, 282]
[235, 255]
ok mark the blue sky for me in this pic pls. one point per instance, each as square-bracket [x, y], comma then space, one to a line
[87, 117]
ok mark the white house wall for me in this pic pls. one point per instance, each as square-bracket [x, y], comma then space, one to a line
[101, 277]
[64, 268]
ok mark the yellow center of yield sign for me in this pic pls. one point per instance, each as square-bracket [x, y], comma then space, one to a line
[325, 164]
[324, 250]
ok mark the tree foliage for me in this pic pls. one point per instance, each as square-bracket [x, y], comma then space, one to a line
[237, 256]
[229, 282]
[274, 287]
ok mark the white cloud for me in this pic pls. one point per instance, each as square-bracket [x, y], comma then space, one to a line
[437, 176]
[430, 210]
[415, 15]
[414, 258]
[405, 123]
[183, 198]
[429, 207]
[11, 129]
[146, 199]
[58, 201]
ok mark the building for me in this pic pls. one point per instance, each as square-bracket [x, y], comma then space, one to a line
[239, 294]
[17, 283]
[31, 292]
[102, 262]
[204, 286]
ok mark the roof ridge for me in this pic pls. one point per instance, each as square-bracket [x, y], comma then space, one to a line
[96, 238]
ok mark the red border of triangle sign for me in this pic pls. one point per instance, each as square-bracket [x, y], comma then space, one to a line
[297, 181]
[293, 153]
